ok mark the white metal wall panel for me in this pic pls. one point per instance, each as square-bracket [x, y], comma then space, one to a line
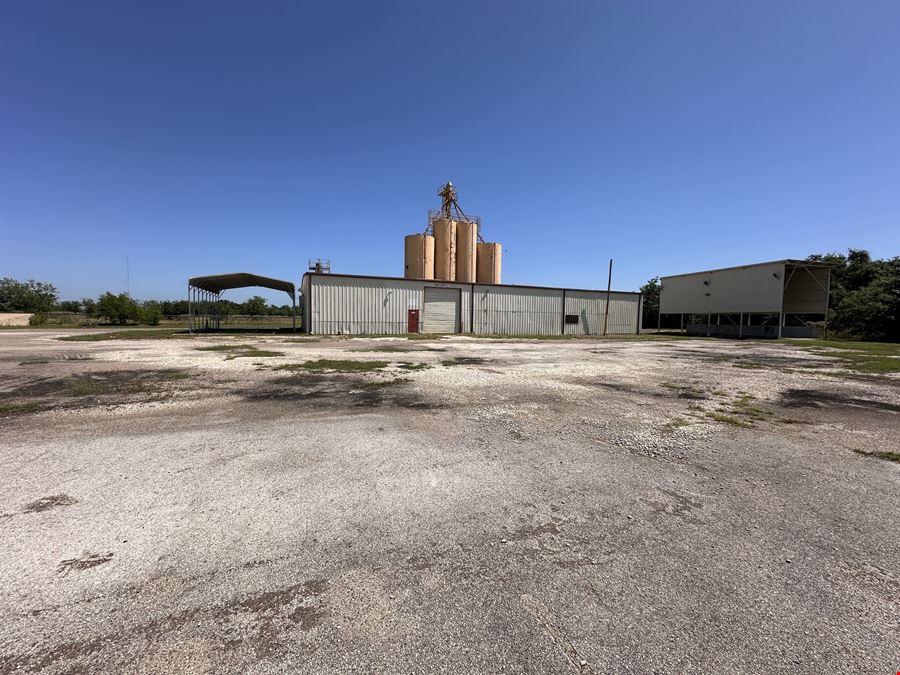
[441, 310]
[755, 288]
[353, 306]
[517, 311]
[590, 308]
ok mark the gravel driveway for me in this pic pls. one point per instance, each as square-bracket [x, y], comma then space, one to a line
[461, 506]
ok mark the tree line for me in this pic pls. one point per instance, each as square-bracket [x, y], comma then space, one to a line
[41, 298]
[864, 302]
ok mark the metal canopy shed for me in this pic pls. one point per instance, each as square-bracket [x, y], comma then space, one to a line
[205, 292]
[784, 289]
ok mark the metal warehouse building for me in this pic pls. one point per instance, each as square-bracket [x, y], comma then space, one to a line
[772, 299]
[351, 305]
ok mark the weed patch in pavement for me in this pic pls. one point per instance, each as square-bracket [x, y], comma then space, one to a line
[687, 391]
[728, 419]
[864, 357]
[240, 351]
[11, 409]
[105, 388]
[886, 455]
[414, 366]
[149, 334]
[336, 365]
[47, 503]
[464, 361]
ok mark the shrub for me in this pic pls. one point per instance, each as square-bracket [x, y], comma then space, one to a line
[151, 313]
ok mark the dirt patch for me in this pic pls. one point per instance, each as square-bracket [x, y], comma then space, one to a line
[85, 562]
[687, 391]
[266, 617]
[240, 351]
[811, 398]
[342, 391]
[47, 503]
[85, 389]
[464, 361]
[886, 455]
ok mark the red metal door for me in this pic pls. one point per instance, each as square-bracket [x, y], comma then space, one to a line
[412, 321]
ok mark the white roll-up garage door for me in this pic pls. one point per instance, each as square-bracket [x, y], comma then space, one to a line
[441, 313]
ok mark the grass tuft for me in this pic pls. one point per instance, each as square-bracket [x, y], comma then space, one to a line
[239, 351]
[10, 409]
[886, 455]
[728, 419]
[143, 334]
[414, 366]
[878, 358]
[336, 365]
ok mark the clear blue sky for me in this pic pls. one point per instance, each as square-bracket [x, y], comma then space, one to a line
[200, 138]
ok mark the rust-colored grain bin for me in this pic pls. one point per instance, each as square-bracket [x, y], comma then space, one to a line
[444, 249]
[419, 258]
[466, 239]
[488, 264]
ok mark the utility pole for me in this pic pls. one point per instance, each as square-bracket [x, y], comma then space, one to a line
[608, 288]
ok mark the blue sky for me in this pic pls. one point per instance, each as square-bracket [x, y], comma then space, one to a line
[200, 138]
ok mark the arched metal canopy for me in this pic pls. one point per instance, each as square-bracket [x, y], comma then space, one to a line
[204, 294]
[216, 283]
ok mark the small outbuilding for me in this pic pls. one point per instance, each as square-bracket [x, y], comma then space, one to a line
[353, 305]
[773, 299]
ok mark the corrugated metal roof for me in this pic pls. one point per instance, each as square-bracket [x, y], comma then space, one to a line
[787, 261]
[216, 283]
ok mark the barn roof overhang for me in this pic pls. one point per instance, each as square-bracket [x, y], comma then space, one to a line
[216, 283]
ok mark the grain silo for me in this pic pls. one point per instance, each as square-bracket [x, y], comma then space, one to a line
[466, 241]
[488, 265]
[419, 257]
[444, 231]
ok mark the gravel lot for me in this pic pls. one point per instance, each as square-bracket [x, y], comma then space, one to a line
[473, 506]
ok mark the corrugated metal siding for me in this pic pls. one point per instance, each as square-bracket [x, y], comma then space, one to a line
[757, 288]
[352, 306]
[517, 311]
[355, 306]
[590, 308]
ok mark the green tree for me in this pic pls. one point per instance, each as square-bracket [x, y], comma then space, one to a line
[865, 295]
[118, 309]
[151, 313]
[255, 306]
[27, 296]
[650, 291]
[68, 306]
